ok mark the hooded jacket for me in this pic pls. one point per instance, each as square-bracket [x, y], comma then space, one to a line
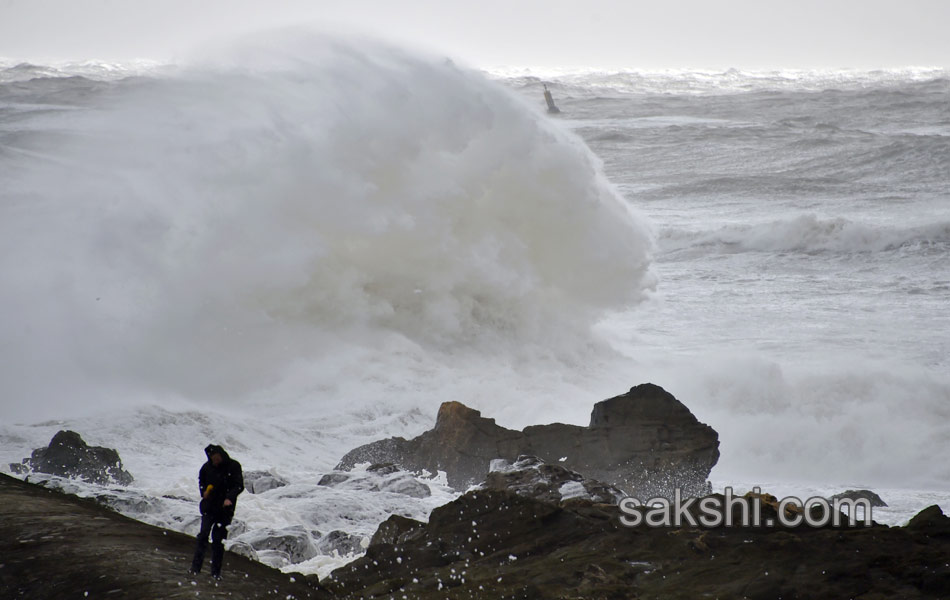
[226, 481]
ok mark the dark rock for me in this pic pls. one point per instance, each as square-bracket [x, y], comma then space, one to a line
[645, 442]
[396, 530]
[868, 495]
[498, 544]
[258, 482]
[68, 456]
[931, 521]
[382, 468]
[530, 476]
[341, 542]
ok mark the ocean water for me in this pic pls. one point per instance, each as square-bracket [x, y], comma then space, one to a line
[295, 245]
[802, 222]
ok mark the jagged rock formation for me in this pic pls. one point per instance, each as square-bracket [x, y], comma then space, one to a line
[491, 544]
[530, 476]
[69, 456]
[645, 442]
[875, 500]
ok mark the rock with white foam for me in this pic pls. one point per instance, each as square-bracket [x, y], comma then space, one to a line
[258, 482]
[381, 477]
[531, 477]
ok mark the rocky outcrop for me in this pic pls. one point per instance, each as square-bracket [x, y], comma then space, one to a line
[645, 442]
[258, 482]
[69, 456]
[875, 500]
[497, 544]
[531, 477]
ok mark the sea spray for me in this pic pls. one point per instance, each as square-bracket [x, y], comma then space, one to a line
[286, 205]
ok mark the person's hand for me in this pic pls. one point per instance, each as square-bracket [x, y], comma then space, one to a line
[227, 502]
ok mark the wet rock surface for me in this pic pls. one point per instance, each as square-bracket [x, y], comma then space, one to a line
[645, 442]
[55, 546]
[497, 544]
[68, 455]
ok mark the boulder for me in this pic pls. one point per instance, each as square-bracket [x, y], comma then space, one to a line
[868, 495]
[280, 547]
[258, 482]
[396, 530]
[645, 442]
[244, 549]
[69, 456]
[341, 542]
[931, 522]
[530, 476]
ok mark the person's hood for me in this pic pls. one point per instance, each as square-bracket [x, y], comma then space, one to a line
[212, 448]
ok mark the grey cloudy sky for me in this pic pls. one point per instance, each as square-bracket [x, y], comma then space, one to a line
[488, 33]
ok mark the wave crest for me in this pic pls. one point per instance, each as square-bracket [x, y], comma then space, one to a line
[809, 234]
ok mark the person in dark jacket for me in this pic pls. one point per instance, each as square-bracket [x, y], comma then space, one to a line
[219, 483]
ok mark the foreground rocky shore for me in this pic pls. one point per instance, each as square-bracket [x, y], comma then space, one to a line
[54, 546]
[487, 544]
[490, 544]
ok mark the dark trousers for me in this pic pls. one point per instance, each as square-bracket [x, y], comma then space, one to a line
[210, 524]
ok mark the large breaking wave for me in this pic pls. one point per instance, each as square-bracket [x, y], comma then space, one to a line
[280, 203]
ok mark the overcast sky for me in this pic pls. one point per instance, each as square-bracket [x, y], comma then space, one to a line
[489, 33]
